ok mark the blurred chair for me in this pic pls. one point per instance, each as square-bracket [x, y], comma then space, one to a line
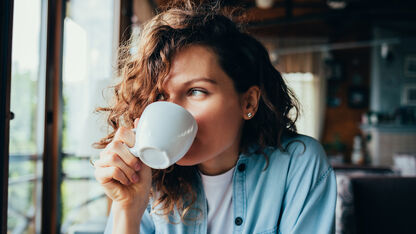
[384, 204]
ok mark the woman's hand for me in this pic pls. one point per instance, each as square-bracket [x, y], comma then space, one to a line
[125, 179]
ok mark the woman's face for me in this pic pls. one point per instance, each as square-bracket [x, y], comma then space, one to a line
[197, 82]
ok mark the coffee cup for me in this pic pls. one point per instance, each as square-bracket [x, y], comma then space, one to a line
[164, 134]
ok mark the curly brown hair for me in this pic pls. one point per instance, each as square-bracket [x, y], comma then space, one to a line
[242, 57]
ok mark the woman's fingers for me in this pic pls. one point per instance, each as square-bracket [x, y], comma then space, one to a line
[125, 135]
[108, 174]
[123, 139]
[114, 160]
[121, 149]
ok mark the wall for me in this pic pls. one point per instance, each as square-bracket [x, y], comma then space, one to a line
[388, 78]
[387, 73]
[343, 120]
[383, 75]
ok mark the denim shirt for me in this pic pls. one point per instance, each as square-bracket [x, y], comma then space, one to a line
[295, 192]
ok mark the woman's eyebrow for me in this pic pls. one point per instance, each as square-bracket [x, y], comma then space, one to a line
[202, 79]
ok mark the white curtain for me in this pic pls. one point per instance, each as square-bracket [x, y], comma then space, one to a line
[303, 72]
[310, 91]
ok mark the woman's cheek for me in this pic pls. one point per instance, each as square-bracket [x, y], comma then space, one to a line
[199, 120]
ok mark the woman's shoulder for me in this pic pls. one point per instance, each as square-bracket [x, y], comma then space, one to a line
[304, 154]
[299, 153]
[303, 145]
[297, 146]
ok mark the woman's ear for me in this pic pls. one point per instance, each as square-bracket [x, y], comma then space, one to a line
[250, 102]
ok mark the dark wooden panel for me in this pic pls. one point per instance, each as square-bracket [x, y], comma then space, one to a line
[6, 25]
[126, 13]
[342, 120]
[51, 211]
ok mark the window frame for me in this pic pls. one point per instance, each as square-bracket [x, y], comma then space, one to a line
[51, 177]
[6, 27]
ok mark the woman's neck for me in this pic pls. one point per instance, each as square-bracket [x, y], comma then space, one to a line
[220, 164]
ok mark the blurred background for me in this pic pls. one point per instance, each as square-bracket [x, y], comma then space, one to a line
[351, 63]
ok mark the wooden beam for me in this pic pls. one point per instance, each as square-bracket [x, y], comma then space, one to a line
[6, 26]
[289, 8]
[51, 211]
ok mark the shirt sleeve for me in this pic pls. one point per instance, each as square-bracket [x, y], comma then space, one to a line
[146, 224]
[310, 198]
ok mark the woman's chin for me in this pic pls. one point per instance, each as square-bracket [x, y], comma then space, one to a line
[186, 160]
[189, 159]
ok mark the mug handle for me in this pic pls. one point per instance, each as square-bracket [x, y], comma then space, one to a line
[133, 149]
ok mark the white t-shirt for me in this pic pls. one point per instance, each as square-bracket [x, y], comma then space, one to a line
[219, 193]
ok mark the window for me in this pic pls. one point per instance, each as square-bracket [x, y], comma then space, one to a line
[26, 129]
[90, 36]
[87, 72]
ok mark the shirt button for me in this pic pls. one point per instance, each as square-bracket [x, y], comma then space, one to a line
[238, 221]
[241, 167]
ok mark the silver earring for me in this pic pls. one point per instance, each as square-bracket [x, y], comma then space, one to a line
[250, 115]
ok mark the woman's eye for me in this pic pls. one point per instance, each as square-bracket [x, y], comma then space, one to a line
[196, 92]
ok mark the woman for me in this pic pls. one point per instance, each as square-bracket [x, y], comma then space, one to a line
[247, 171]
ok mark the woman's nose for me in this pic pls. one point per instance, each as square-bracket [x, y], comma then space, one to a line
[180, 102]
[176, 100]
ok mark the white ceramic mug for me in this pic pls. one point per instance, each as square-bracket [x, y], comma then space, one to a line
[164, 134]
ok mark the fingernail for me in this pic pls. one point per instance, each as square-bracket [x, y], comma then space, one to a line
[135, 178]
[137, 166]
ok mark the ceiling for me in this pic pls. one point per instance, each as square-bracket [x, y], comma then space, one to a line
[311, 18]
